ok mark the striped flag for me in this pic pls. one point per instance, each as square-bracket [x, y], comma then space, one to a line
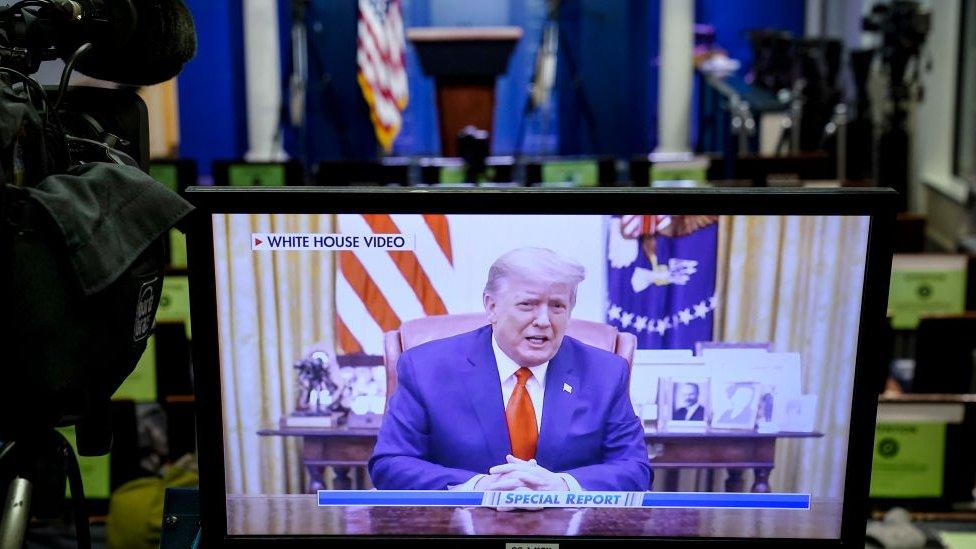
[382, 72]
[377, 291]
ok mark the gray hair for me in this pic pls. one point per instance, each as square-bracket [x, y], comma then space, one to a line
[535, 261]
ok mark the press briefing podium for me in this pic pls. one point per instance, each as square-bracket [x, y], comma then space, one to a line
[464, 61]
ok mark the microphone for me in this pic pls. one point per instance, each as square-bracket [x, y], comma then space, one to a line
[146, 49]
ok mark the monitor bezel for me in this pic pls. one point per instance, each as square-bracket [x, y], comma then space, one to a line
[879, 204]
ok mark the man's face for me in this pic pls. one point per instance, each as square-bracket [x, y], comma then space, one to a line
[529, 317]
[687, 394]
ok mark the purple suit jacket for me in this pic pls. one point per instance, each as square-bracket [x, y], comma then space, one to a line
[446, 421]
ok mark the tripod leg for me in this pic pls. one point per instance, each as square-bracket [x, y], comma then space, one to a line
[80, 511]
[16, 513]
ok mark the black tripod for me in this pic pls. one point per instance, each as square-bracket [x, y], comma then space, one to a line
[903, 26]
[37, 466]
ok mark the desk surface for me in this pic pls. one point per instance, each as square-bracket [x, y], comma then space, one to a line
[299, 515]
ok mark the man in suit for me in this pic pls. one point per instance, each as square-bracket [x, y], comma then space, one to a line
[514, 405]
[686, 396]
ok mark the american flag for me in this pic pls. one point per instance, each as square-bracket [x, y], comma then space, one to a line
[382, 74]
[376, 291]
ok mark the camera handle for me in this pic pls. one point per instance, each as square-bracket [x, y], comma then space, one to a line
[17, 505]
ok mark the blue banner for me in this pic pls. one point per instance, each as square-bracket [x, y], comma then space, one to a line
[531, 499]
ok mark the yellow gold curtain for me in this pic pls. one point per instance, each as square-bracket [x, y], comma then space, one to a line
[796, 281]
[271, 307]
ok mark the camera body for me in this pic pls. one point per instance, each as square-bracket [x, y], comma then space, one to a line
[55, 28]
[81, 234]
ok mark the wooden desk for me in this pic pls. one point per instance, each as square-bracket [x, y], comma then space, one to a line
[299, 515]
[734, 451]
[348, 451]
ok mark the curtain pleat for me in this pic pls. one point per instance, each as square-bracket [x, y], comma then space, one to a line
[272, 308]
[796, 282]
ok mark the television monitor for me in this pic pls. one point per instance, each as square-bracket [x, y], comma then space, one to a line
[517, 366]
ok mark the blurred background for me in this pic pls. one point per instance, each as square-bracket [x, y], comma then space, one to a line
[764, 93]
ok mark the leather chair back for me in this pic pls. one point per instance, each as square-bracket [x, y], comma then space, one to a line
[421, 330]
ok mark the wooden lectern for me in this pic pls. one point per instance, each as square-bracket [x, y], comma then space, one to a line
[464, 62]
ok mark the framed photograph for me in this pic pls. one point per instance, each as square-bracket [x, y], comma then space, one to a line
[646, 407]
[781, 382]
[778, 375]
[647, 379]
[736, 405]
[765, 420]
[797, 414]
[686, 402]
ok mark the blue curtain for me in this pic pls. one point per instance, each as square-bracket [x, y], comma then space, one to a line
[613, 46]
[211, 87]
[612, 43]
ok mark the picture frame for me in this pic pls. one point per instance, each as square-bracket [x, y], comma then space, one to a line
[797, 414]
[735, 404]
[651, 368]
[781, 382]
[685, 404]
[647, 407]
[779, 375]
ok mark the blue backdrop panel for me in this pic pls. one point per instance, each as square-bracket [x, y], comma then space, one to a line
[732, 19]
[211, 88]
[419, 133]
[337, 115]
[613, 45]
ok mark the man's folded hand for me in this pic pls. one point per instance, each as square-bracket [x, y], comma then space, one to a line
[530, 474]
[498, 483]
[518, 475]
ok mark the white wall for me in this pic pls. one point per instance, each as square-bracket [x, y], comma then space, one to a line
[935, 118]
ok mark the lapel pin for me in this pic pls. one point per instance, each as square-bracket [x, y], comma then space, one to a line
[568, 388]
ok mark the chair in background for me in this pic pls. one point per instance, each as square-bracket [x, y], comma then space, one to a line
[909, 235]
[422, 330]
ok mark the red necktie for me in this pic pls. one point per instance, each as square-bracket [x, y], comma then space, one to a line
[522, 430]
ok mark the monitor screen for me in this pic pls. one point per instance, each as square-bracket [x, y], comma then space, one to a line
[616, 368]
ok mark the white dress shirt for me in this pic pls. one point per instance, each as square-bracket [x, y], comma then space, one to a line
[536, 387]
